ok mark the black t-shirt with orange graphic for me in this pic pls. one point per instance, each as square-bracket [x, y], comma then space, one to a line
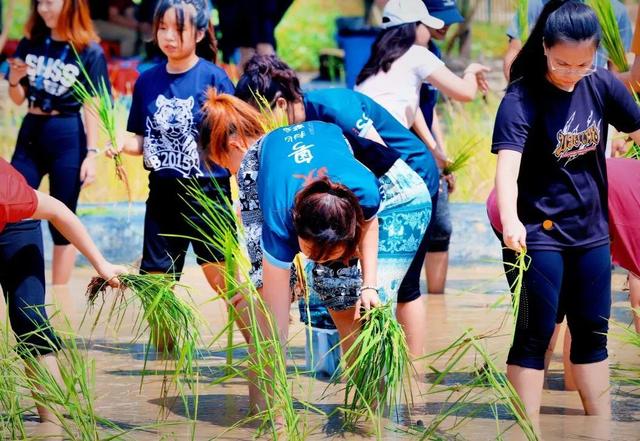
[562, 183]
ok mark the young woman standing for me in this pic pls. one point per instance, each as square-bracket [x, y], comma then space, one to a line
[53, 139]
[165, 117]
[551, 184]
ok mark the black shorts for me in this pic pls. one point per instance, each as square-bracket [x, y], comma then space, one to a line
[171, 212]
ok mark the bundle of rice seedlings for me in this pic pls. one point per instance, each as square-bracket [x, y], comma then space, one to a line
[265, 367]
[98, 101]
[377, 368]
[174, 324]
[611, 39]
[461, 158]
[523, 261]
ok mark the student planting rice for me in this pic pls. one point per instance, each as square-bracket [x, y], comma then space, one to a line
[53, 139]
[165, 118]
[302, 190]
[22, 263]
[550, 136]
[357, 115]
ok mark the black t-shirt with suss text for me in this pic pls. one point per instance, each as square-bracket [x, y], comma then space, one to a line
[53, 68]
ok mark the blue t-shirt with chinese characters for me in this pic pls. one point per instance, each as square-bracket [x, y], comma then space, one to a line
[562, 183]
[289, 158]
[52, 68]
[355, 113]
[166, 111]
[534, 8]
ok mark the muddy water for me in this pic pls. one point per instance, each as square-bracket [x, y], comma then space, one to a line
[473, 291]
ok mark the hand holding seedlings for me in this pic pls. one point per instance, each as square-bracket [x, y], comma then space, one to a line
[368, 299]
[515, 235]
[110, 272]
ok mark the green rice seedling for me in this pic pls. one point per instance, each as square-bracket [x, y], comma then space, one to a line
[71, 397]
[487, 386]
[270, 120]
[174, 324]
[627, 335]
[461, 158]
[265, 368]
[611, 39]
[99, 102]
[12, 384]
[523, 261]
[377, 368]
[522, 11]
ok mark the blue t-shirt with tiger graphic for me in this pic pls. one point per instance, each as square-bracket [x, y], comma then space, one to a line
[166, 111]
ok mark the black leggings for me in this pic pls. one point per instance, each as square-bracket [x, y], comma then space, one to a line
[23, 285]
[54, 146]
[575, 281]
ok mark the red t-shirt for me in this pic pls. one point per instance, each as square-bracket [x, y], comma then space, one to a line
[624, 211]
[18, 201]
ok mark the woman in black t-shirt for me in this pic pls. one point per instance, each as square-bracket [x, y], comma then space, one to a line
[52, 138]
[551, 182]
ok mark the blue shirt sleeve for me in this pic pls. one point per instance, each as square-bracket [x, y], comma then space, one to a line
[277, 249]
[512, 124]
[224, 85]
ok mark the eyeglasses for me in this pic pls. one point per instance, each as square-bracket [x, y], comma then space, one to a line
[581, 71]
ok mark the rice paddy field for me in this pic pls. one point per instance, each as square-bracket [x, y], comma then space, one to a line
[117, 385]
[129, 378]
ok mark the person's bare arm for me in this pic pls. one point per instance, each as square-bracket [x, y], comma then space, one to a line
[17, 71]
[512, 51]
[131, 145]
[70, 226]
[460, 88]
[423, 132]
[631, 78]
[507, 171]
[368, 249]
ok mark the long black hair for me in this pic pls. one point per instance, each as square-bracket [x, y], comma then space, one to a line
[390, 45]
[207, 48]
[269, 77]
[560, 21]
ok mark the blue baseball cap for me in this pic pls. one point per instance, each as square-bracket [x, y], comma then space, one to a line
[445, 10]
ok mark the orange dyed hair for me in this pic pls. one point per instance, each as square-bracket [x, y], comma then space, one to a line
[225, 116]
[74, 24]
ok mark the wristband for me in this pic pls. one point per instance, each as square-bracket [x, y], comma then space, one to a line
[93, 150]
[375, 288]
